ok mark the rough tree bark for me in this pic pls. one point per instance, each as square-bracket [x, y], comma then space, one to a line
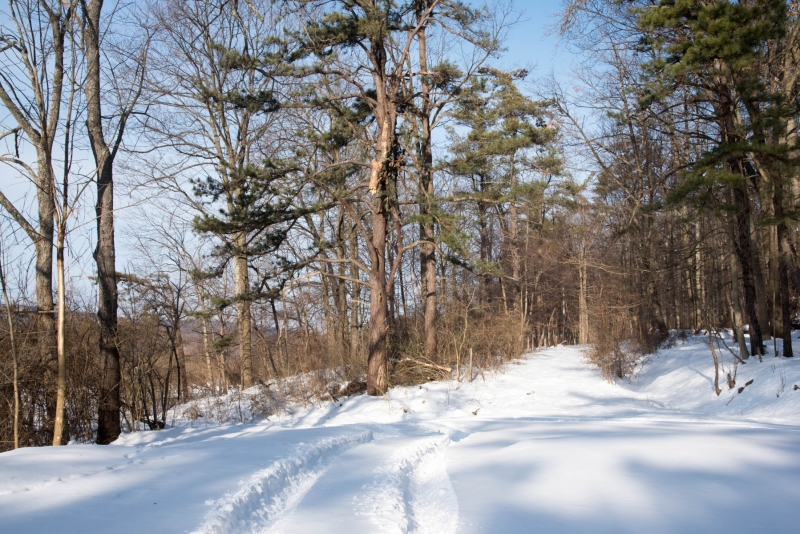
[377, 357]
[108, 414]
[385, 112]
[743, 252]
[243, 321]
[427, 253]
[736, 299]
[783, 270]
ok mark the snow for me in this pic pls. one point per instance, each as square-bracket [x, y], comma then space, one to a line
[272, 492]
[543, 445]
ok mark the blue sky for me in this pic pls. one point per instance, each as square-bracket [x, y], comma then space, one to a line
[528, 46]
[528, 43]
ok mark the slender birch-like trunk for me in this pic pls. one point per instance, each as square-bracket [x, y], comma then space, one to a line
[61, 384]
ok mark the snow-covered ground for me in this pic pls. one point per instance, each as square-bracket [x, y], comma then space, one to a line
[545, 446]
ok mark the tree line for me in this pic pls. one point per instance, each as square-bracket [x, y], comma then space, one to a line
[355, 187]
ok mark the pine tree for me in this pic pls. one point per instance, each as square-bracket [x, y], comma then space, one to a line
[715, 51]
[508, 138]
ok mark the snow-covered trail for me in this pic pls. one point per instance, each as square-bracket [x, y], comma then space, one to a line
[395, 484]
[210, 480]
[619, 477]
[547, 446]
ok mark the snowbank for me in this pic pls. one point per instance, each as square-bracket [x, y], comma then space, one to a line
[547, 444]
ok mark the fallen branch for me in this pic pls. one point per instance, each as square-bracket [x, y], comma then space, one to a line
[719, 336]
[431, 365]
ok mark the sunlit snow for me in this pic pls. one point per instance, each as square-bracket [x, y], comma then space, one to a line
[546, 445]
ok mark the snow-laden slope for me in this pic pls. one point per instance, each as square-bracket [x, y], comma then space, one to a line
[559, 382]
[545, 446]
[682, 378]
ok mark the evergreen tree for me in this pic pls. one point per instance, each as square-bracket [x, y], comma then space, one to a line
[366, 47]
[716, 52]
[508, 139]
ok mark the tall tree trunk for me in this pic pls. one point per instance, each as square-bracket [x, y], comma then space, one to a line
[512, 243]
[427, 252]
[180, 359]
[376, 356]
[687, 278]
[762, 295]
[743, 251]
[736, 298]
[486, 254]
[39, 118]
[355, 298]
[61, 383]
[46, 320]
[697, 288]
[328, 294]
[221, 357]
[391, 293]
[165, 392]
[381, 174]
[207, 352]
[108, 418]
[206, 345]
[284, 354]
[583, 311]
[242, 278]
[786, 319]
[376, 359]
[783, 269]
[343, 322]
[773, 270]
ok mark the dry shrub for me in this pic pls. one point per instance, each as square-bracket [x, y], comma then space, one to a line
[410, 372]
[278, 396]
[675, 337]
[495, 337]
[618, 347]
[37, 381]
[309, 389]
[615, 351]
[301, 351]
[615, 358]
[265, 403]
[353, 387]
[235, 407]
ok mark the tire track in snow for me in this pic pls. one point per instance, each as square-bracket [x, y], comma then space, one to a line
[272, 492]
[411, 493]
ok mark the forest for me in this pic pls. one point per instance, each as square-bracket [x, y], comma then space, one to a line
[199, 197]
